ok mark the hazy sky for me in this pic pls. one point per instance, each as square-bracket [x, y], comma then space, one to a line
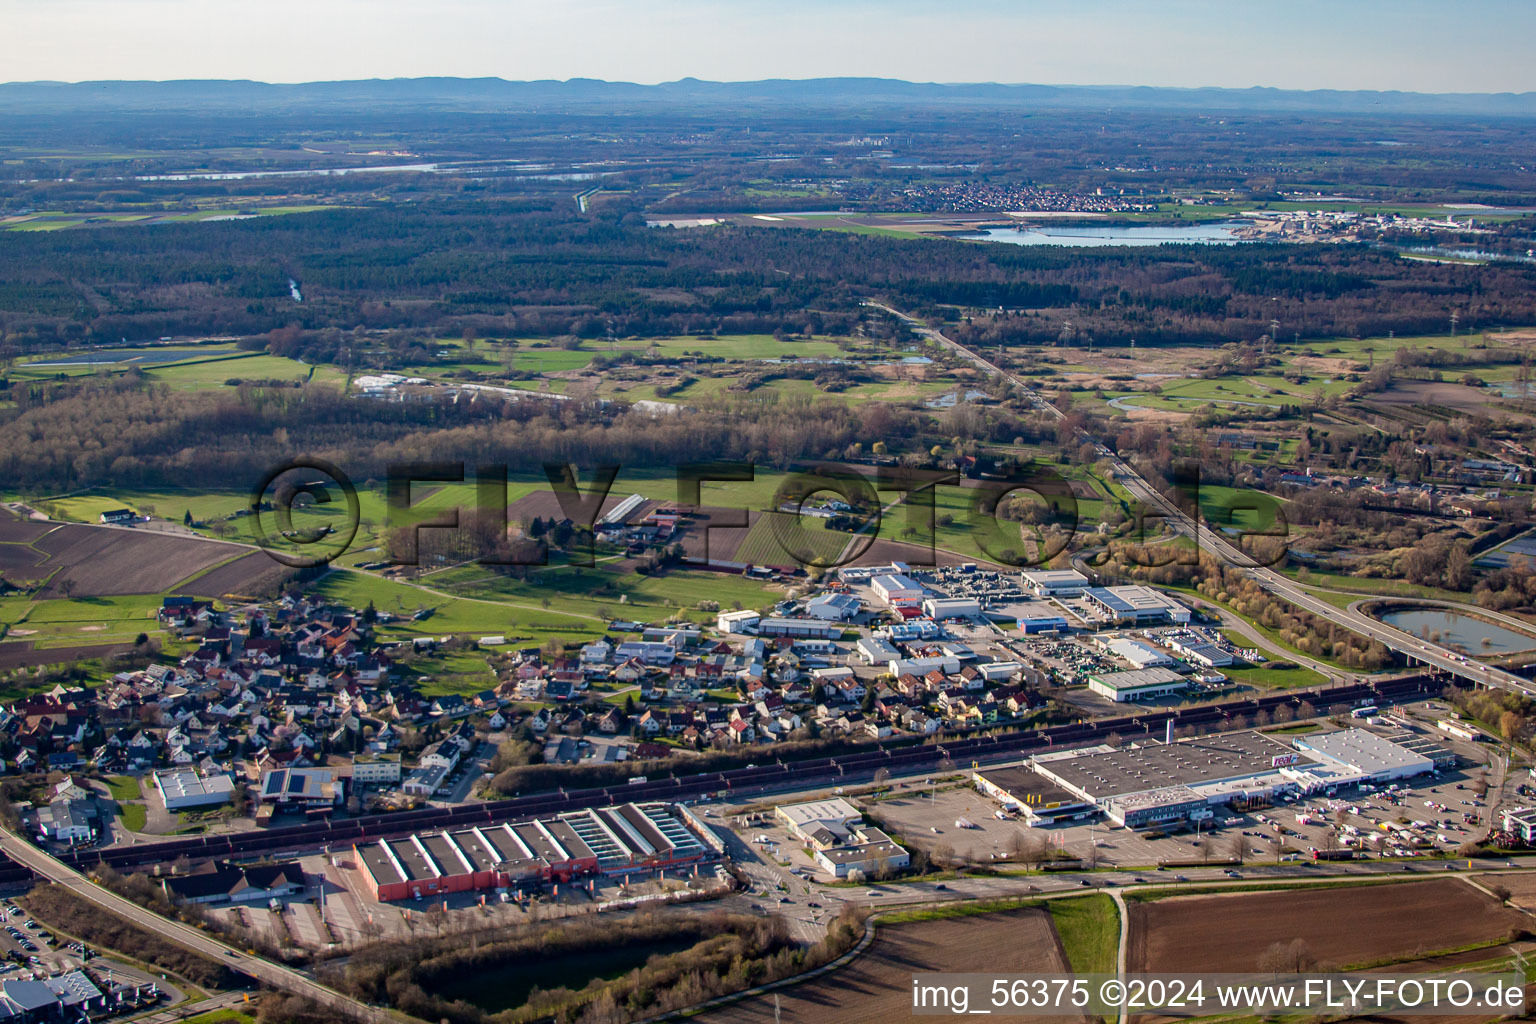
[1419, 45]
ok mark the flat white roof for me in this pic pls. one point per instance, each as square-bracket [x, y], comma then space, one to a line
[1364, 751]
[1054, 576]
[1136, 678]
[837, 810]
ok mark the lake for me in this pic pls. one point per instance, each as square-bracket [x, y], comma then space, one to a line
[505, 988]
[1219, 233]
[1451, 629]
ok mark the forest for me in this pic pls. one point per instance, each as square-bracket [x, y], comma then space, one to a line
[542, 270]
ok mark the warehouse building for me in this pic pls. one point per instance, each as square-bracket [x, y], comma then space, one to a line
[1038, 622]
[874, 651]
[1364, 756]
[952, 608]
[868, 850]
[742, 622]
[1134, 606]
[1152, 784]
[1022, 790]
[946, 663]
[230, 883]
[1056, 582]
[182, 789]
[1136, 684]
[816, 629]
[840, 607]
[899, 591]
[1201, 652]
[860, 573]
[815, 820]
[606, 840]
[1159, 784]
[1139, 654]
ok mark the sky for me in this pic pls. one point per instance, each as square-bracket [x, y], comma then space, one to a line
[1411, 45]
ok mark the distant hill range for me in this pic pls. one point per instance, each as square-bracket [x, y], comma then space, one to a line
[593, 95]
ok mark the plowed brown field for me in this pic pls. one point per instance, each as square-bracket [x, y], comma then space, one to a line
[1341, 926]
[878, 985]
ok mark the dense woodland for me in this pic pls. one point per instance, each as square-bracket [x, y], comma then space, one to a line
[547, 271]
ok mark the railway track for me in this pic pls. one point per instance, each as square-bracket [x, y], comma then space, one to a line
[741, 783]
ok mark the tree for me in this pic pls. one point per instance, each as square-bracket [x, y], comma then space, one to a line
[1283, 957]
[186, 520]
[1511, 725]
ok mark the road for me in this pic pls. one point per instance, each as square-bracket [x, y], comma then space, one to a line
[23, 852]
[1411, 647]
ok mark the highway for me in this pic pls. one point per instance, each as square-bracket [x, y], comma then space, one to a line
[1413, 648]
[273, 975]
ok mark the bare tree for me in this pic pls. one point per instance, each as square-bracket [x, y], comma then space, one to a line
[1284, 957]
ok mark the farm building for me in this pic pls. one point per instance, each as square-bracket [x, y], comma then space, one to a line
[1056, 582]
[1135, 605]
[183, 788]
[952, 608]
[606, 840]
[1136, 684]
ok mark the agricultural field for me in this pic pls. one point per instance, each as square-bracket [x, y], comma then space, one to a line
[76, 560]
[448, 614]
[1342, 926]
[65, 623]
[877, 985]
[54, 220]
[187, 367]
